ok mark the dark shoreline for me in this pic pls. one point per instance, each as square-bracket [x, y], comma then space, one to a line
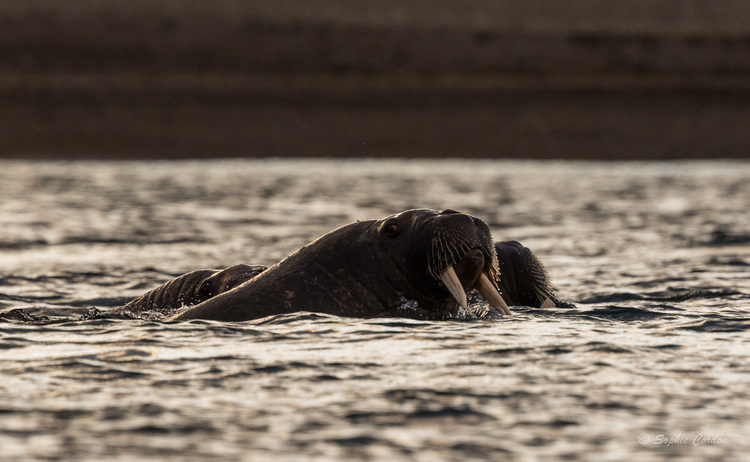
[186, 80]
[639, 122]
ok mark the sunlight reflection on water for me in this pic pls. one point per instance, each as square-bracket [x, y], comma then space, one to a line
[654, 255]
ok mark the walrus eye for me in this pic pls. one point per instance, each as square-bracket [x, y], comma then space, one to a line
[391, 231]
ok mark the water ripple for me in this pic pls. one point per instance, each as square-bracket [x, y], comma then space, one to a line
[651, 258]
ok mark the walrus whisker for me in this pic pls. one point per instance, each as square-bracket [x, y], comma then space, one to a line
[453, 284]
[458, 252]
[491, 295]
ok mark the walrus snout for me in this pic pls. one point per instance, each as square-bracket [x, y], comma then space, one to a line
[462, 255]
[525, 280]
[470, 267]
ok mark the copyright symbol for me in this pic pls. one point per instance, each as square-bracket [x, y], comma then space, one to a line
[643, 438]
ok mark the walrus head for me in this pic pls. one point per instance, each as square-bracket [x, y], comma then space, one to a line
[442, 253]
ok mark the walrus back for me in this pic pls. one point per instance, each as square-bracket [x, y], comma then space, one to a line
[182, 290]
[325, 276]
[193, 288]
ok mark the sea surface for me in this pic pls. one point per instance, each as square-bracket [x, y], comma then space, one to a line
[653, 363]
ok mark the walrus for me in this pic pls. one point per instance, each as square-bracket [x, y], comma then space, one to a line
[522, 280]
[418, 263]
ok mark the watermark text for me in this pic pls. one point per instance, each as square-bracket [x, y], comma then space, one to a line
[699, 439]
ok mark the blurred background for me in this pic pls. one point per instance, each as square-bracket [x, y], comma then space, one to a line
[588, 79]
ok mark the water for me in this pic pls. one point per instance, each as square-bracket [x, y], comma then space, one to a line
[653, 363]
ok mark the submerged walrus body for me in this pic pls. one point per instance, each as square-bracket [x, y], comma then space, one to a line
[414, 264]
[193, 288]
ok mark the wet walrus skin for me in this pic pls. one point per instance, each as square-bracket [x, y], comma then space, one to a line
[373, 268]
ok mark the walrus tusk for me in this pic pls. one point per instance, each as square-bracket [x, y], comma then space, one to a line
[490, 294]
[547, 303]
[450, 279]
